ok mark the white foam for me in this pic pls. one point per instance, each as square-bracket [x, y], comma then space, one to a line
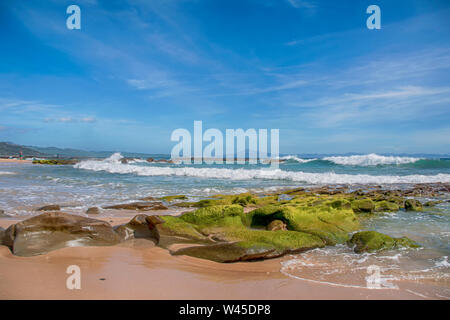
[295, 158]
[5, 173]
[113, 165]
[370, 160]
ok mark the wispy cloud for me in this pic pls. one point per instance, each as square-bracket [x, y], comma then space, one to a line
[303, 4]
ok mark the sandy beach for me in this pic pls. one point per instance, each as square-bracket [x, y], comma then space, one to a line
[14, 161]
[137, 269]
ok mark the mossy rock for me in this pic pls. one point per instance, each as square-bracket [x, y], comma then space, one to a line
[228, 224]
[386, 206]
[413, 205]
[175, 230]
[175, 197]
[55, 162]
[363, 206]
[329, 224]
[432, 203]
[371, 241]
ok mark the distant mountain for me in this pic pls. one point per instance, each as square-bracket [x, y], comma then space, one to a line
[11, 149]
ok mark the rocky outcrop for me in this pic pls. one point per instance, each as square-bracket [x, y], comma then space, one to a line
[51, 207]
[371, 241]
[54, 230]
[139, 206]
[56, 161]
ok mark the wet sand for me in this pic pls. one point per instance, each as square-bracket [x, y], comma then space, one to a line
[138, 270]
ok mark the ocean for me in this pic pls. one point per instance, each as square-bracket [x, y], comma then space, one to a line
[24, 187]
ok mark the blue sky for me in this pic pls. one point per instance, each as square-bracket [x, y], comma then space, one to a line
[139, 69]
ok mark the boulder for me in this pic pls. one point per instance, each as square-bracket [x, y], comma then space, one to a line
[363, 206]
[51, 207]
[141, 226]
[93, 210]
[2, 213]
[231, 252]
[54, 230]
[139, 206]
[413, 205]
[371, 241]
[386, 206]
[2, 235]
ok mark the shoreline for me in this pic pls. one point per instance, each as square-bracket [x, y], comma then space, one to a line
[15, 161]
[137, 269]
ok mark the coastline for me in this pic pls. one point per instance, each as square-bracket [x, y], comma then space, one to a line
[15, 161]
[138, 270]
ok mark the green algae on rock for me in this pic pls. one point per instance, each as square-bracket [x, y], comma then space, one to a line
[175, 197]
[413, 205]
[386, 206]
[363, 206]
[371, 241]
[55, 161]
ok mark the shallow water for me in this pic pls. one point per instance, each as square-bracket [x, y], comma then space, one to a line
[24, 187]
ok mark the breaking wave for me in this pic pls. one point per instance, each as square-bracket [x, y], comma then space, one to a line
[113, 165]
[297, 159]
[370, 160]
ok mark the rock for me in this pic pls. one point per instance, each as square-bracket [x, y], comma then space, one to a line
[124, 161]
[150, 160]
[2, 213]
[56, 161]
[51, 207]
[2, 235]
[93, 210]
[231, 252]
[363, 206]
[386, 206]
[332, 225]
[175, 197]
[413, 205]
[149, 198]
[140, 206]
[230, 228]
[141, 226]
[54, 230]
[371, 241]
[276, 225]
[432, 203]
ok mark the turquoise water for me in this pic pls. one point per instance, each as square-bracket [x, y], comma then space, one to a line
[102, 182]
[24, 187]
